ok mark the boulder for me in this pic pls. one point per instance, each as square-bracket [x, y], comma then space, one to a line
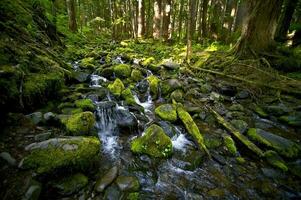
[240, 125]
[230, 145]
[85, 104]
[127, 95]
[106, 180]
[136, 75]
[154, 85]
[167, 112]
[116, 88]
[80, 123]
[128, 183]
[292, 119]
[36, 117]
[170, 85]
[122, 70]
[275, 160]
[33, 191]
[171, 65]
[87, 63]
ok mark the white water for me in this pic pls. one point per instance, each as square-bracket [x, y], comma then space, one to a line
[96, 80]
[75, 65]
[180, 142]
[148, 104]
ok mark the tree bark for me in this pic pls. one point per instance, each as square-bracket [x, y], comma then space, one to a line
[204, 18]
[181, 19]
[141, 18]
[166, 19]
[189, 25]
[72, 15]
[259, 30]
[157, 18]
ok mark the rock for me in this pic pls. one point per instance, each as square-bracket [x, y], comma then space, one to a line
[212, 142]
[171, 65]
[128, 183]
[36, 117]
[61, 154]
[107, 72]
[191, 127]
[282, 145]
[260, 111]
[146, 62]
[116, 88]
[142, 86]
[293, 119]
[122, 70]
[80, 77]
[242, 94]
[87, 63]
[154, 142]
[126, 121]
[236, 107]
[275, 160]
[230, 145]
[70, 185]
[216, 97]
[106, 180]
[112, 193]
[168, 128]
[42, 136]
[240, 125]
[170, 85]
[127, 95]
[278, 110]
[85, 104]
[177, 95]
[154, 85]
[49, 116]
[167, 112]
[136, 75]
[8, 158]
[295, 167]
[80, 123]
[206, 88]
[33, 191]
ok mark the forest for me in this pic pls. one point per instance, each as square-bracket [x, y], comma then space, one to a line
[150, 99]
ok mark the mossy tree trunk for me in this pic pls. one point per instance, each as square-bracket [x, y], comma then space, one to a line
[72, 15]
[259, 30]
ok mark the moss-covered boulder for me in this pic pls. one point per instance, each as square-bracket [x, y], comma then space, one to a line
[136, 75]
[62, 154]
[128, 183]
[177, 95]
[170, 85]
[275, 160]
[146, 62]
[122, 70]
[116, 88]
[128, 96]
[79, 123]
[167, 112]
[154, 143]
[230, 145]
[282, 145]
[191, 127]
[153, 84]
[70, 185]
[293, 119]
[85, 104]
[87, 63]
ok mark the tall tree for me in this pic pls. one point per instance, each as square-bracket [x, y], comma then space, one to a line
[141, 18]
[285, 19]
[204, 18]
[72, 15]
[157, 18]
[181, 13]
[189, 25]
[259, 30]
[166, 19]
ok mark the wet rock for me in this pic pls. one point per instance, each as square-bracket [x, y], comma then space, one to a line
[177, 95]
[80, 77]
[154, 143]
[33, 191]
[8, 158]
[190, 160]
[293, 119]
[212, 142]
[206, 88]
[227, 90]
[278, 110]
[242, 94]
[275, 160]
[271, 173]
[142, 86]
[107, 179]
[260, 111]
[295, 167]
[49, 116]
[70, 185]
[218, 158]
[127, 95]
[216, 97]
[126, 121]
[61, 153]
[36, 117]
[85, 104]
[236, 107]
[112, 193]
[42, 136]
[168, 128]
[240, 125]
[230, 145]
[171, 65]
[136, 75]
[154, 85]
[80, 123]
[116, 88]
[128, 183]
[107, 72]
[93, 97]
[170, 85]
[122, 70]
[282, 145]
[167, 112]
[87, 63]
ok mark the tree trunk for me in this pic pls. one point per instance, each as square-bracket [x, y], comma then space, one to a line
[204, 18]
[166, 19]
[141, 18]
[259, 30]
[189, 25]
[242, 12]
[181, 19]
[72, 15]
[285, 19]
[157, 18]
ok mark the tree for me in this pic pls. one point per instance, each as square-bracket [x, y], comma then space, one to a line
[72, 15]
[166, 19]
[189, 25]
[157, 18]
[141, 18]
[204, 18]
[259, 30]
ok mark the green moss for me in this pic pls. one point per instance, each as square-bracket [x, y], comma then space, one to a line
[87, 63]
[240, 160]
[167, 112]
[230, 145]
[80, 123]
[66, 105]
[154, 84]
[136, 75]
[212, 143]
[133, 196]
[293, 120]
[177, 95]
[147, 61]
[128, 96]
[260, 112]
[116, 88]
[191, 127]
[154, 143]
[56, 156]
[85, 104]
[275, 160]
[122, 70]
[165, 87]
[70, 184]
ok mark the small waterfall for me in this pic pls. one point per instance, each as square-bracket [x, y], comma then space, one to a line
[75, 65]
[148, 104]
[180, 142]
[118, 60]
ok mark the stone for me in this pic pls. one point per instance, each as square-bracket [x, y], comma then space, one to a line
[153, 84]
[55, 154]
[142, 86]
[292, 119]
[116, 88]
[80, 77]
[42, 136]
[87, 63]
[106, 180]
[295, 167]
[170, 85]
[242, 94]
[240, 125]
[171, 65]
[33, 192]
[230, 145]
[49, 116]
[278, 110]
[126, 121]
[206, 88]
[128, 96]
[36, 117]
[128, 183]
[70, 185]
[122, 70]
[154, 142]
[167, 112]
[85, 104]
[79, 124]
[236, 107]
[8, 158]
[136, 75]
[275, 160]
[177, 95]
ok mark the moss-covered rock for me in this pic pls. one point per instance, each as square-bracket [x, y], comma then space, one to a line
[61, 154]
[71, 184]
[275, 160]
[177, 95]
[128, 96]
[122, 70]
[128, 183]
[85, 104]
[293, 119]
[153, 84]
[80, 123]
[154, 143]
[146, 62]
[167, 112]
[87, 63]
[191, 127]
[282, 145]
[230, 145]
[212, 143]
[116, 88]
[136, 75]
[170, 85]
[260, 111]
